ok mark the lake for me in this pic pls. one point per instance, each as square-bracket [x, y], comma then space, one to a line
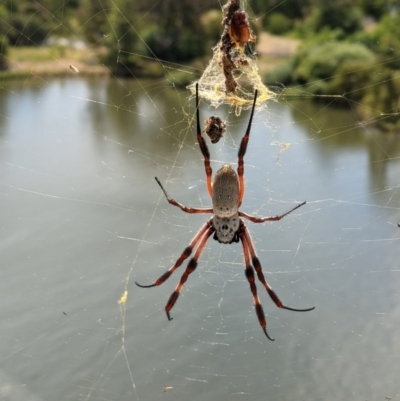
[83, 219]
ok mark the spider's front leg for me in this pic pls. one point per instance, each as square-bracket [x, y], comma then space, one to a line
[270, 218]
[242, 151]
[203, 145]
[192, 210]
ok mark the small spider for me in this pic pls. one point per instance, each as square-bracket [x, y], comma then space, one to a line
[226, 192]
[215, 128]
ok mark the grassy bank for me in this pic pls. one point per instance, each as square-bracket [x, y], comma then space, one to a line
[55, 61]
[47, 62]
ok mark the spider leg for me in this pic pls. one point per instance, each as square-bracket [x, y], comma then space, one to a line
[271, 218]
[185, 254]
[203, 145]
[189, 270]
[250, 278]
[242, 152]
[182, 207]
[258, 269]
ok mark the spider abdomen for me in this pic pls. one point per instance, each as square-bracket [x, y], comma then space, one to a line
[225, 199]
[225, 196]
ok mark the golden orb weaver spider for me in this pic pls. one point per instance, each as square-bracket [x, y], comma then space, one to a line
[226, 192]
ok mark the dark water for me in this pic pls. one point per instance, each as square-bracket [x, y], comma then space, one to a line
[82, 218]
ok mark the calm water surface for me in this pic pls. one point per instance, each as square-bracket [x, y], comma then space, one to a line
[83, 219]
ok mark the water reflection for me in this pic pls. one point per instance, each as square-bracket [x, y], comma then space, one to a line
[82, 219]
[336, 131]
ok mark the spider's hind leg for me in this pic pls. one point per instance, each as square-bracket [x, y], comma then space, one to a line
[260, 275]
[189, 270]
[185, 254]
[250, 278]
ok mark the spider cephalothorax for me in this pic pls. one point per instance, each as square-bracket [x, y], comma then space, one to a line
[226, 229]
[226, 191]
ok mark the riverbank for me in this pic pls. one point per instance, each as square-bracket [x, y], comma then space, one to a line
[47, 62]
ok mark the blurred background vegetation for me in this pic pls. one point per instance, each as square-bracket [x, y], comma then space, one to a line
[348, 47]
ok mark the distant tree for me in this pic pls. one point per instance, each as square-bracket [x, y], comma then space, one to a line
[338, 14]
[277, 23]
[386, 40]
[294, 9]
[29, 22]
[27, 30]
[123, 37]
[94, 19]
[177, 33]
[3, 52]
[325, 67]
[374, 8]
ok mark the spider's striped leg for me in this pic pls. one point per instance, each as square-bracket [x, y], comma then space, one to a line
[203, 145]
[185, 254]
[250, 278]
[271, 218]
[260, 275]
[189, 269]
[186, 209]
[242, 152]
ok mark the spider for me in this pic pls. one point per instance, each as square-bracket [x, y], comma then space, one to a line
[226, 192]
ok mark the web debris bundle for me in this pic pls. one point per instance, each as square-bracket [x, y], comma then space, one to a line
[232, 75]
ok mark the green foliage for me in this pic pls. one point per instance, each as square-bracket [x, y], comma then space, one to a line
[124, 38]
[281, 75]
[3, 52]
[340, 14]
[167, 46]
[293, 9]
[381, 99]
[352, 79]
[29, 22]
[329, 68]
[375, 8]
[27, 30]
[211, 27]
[277, 23]
[94, 19]
[385, 40]
[177, 33]
[323, 60]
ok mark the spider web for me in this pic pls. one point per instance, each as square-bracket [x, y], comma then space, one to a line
[82, 219]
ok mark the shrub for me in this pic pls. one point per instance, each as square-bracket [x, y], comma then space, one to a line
[323, 61]
[281, 75]
[3, 52]
[385, 40]
[27, 30]
[174, 47]
[335, 15]
[211, 27]
[277, 23]
[381, 100]
[122, 42]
